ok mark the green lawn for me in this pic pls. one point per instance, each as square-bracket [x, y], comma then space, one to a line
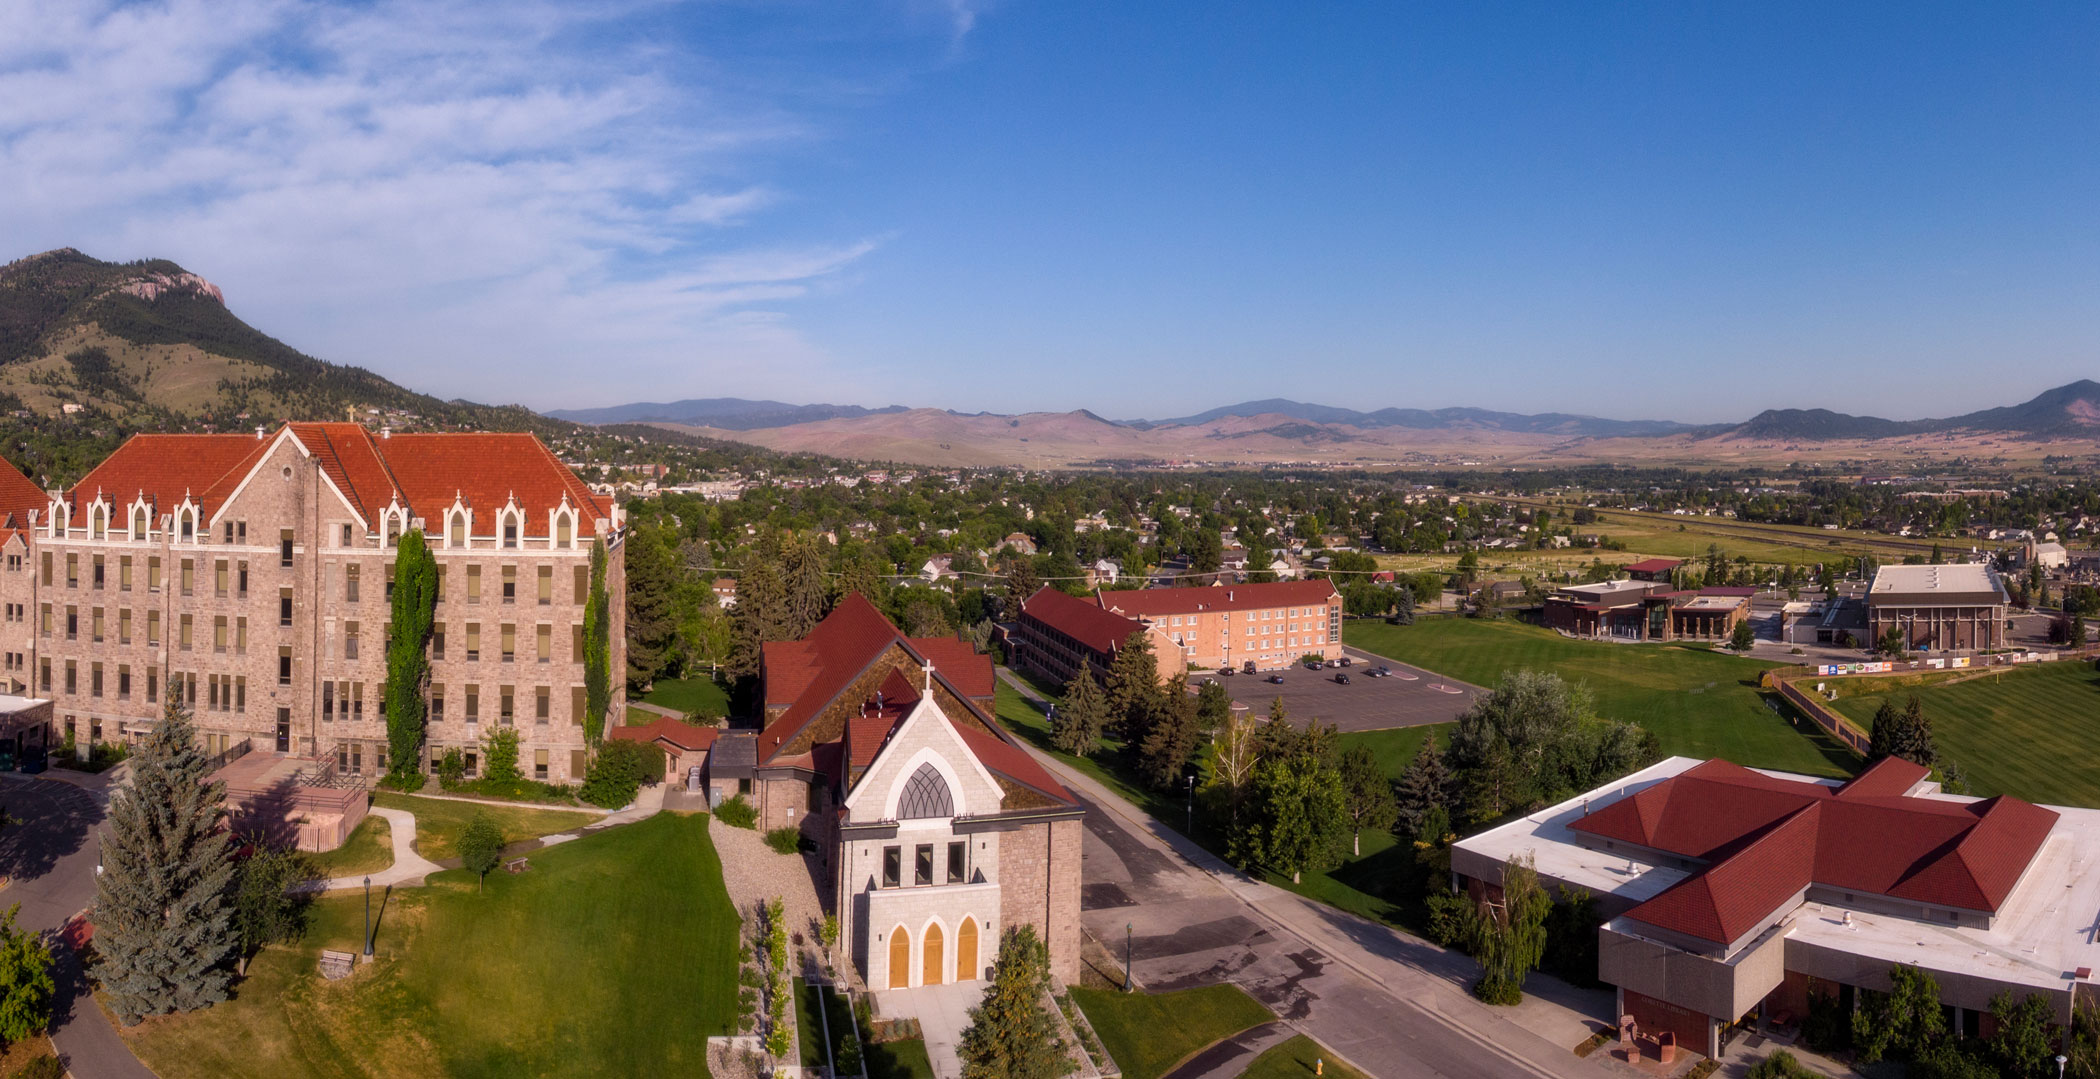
[2032, 732]
[808, 1025]
[614, 955]
[1149, 1033]
[902, 1059]
[693, 696]
[1699, 702]
[1294, 1060]
[369, 849]
[441, 821]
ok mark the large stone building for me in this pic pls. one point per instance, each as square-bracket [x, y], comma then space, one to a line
[1938, 608]
[1058, 633]
[252, 576]
[938, 832]
[1730, 895]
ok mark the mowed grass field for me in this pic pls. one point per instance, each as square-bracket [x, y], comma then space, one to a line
[1699, 703]
[559, 971]
[441, 821]
[2032, 731]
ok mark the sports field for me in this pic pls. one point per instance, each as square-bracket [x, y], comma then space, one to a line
[1699, 703]
[2032, 732]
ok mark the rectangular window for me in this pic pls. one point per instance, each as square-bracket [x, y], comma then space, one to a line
[510, 532]
[473, 584]
[546, 593]
[473, 703]
[124, 573]
[96, 625]
[958, 854]
[44, 619]
[327, 702]
[583, 583]
[221, 578]
[350, 575]
[357, 700]
[240, 636]
[152, 627]
[437, 702]
[284, 665]
[507, 704]
[437, 640]
[152, 686]
[47, 569]
[240, 579]
[390, 582]
[284, 546]
[510, 642]
[539, 764]
[184, 640]
[95, 680]
[473, 641]
[218, 633]
[922, 864]
[44, 674]
[576, 704]
[346, 537]
[72, 570]
[542, 704]
[284, 606]
[98, 578]
[546, 643]
[123, 681]
[892, 866]
[576, 642]
[510, 584]
[240, 693]
[72, 622]
[189, 576]
[123, 625]
[153, 573]
[349, 640]
[72, 677]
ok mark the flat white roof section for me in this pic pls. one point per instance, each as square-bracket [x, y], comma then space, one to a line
[1964, 579]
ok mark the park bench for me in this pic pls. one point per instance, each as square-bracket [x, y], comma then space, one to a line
[336, 964]
[516, 865]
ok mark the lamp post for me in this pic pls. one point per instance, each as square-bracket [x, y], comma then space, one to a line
[2061, 1060]
[368, 917]
[1191, 830]
[1126, 956]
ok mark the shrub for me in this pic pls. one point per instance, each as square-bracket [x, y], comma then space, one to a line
[1451, 919]
[452, 767]
[737, 813]
[405, 782]
[1827, 1028]
[784, 840]
[1780, 1065]
[499, 753]
[617, 773]
[44, 1066]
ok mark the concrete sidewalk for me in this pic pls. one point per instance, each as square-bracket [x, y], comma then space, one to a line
[409, 868]
[943, 1012]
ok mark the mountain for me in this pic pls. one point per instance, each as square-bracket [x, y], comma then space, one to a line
[726, 413]
[127, 346]
[1557, 423]
[2068, 411]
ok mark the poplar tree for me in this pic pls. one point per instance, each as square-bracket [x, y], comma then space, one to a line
[408, 652]
[597, 655]
[1077, 726]
[164, 932]
[1010, 1035]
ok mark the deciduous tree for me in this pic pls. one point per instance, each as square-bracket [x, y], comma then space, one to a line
[408, 652]
[597, 655]
[1509, 938]
[481, 848]
[1367, 795]
[26, 984]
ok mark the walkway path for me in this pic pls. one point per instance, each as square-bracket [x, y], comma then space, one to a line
[1229, 1057]
[1385, 1002]
[409, 868]
[943, 1012]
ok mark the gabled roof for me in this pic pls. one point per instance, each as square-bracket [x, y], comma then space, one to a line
[1765, 838]
[487, 470]
[1087, 623]
[665, 728]
[20, 497]
[165, 468]
[1654, 565]
[1156, 602]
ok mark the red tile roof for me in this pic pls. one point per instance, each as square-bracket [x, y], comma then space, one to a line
[165, 468]
[20, 497]
[1765, 839]
[1654, 565]
[487, 469]
[1155, 602]
[675, 731]
[1087, 623]
[968, 672]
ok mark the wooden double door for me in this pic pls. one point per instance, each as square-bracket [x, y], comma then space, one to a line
[932, 955]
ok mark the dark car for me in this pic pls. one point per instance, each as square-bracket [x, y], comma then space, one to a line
[1341, 679]
[1342, 662]
[1313, 664]
[1381, 672]
[1276, 678]
[1247, 668]
[1227, 671]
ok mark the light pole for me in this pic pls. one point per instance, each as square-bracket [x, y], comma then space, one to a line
[2061, 1060]
[368, 917]
[1192, 805]
[1126, 958]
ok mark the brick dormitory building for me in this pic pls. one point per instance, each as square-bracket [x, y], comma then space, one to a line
[1269, 625]
[250, 575]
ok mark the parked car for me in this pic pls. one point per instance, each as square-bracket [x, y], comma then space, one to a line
[1227, 670]
[1276, 678]
[1381, 672]
[1313, 664]
[1247, 668]
[1341, 679]
[1345, 661]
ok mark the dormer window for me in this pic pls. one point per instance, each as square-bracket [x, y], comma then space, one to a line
[564, 528]
[138, 523]
[510, 530]
[98, 522]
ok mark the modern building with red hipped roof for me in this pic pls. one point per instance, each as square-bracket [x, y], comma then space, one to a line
[1059, 633]
[937, 830]
[1730, 894]
[1267, 625]
[249, 576]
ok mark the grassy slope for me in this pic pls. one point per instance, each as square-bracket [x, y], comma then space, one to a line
[558, 972]
[1294, 1060]
[369, 849]
[440, 822]
[2032, 732]
[1700, 703]
[693, 696]
[1148, 1033]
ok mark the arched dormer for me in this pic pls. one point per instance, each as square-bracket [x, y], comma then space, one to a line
[561, 525]
[393, 522]
[510, 524]
[141, 518]
[61, 516]
[459, 522]
[926, 794]
[186, 518]
[98, 517]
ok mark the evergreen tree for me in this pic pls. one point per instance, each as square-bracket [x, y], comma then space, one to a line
[1021, 583]
[652, 571]
[1133, 680]
[1403, 606]
[1426, 785]
[755, 619]
[268, 907]
[1082, 717]
[1213, 707]
[408, 652]
[1495, 785]
[1010, 1035]
[861, 574]
[164, 936]
[1906, 734]
[805, 586]
[1367, 795]
[597, 656]
[1172, 737]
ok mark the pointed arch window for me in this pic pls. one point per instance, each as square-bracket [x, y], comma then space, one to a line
[926, 795]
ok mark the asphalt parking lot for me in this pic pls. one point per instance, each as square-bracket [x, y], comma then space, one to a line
[1412, 697]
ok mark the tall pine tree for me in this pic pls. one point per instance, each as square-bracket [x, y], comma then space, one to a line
[1426, 785]
[1083, 715]
[756, 618]
[805, 586]
[1173, 737]
[164, 933]
[408, 652]
[1010, 1035]
[1133, 680]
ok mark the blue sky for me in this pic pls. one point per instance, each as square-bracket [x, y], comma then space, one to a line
[1144, 209]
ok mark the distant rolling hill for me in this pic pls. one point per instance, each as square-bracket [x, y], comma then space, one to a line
[727, 413]
[1549, 423]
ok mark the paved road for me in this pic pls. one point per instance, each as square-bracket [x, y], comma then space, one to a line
[50, 859]
[1385, 1002]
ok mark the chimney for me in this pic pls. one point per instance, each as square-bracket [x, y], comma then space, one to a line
[259, 433]
[386, 431]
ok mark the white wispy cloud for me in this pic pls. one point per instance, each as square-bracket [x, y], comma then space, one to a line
[499, 199]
